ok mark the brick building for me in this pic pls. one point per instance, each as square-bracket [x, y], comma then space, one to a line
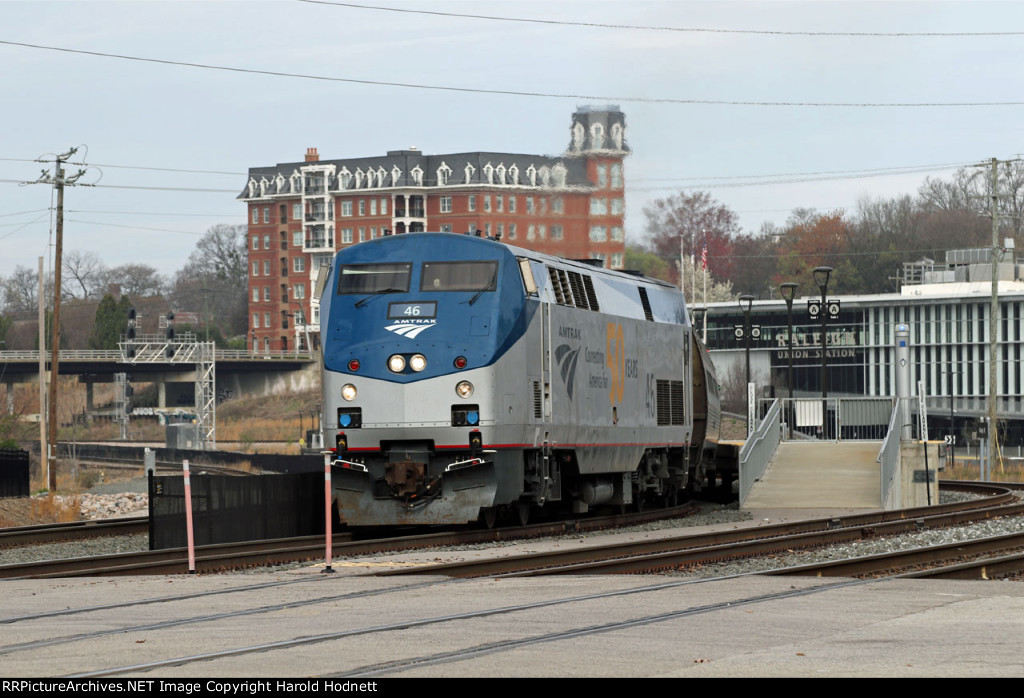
[301, 213]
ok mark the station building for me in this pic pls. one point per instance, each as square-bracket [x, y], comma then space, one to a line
[301, 213]
[946, 308]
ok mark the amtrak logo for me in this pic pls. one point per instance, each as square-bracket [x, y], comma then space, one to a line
[409, 330]
[566, 358]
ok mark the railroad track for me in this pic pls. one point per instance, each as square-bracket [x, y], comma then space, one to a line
[679, 553]
[77, 530]
[219, 558]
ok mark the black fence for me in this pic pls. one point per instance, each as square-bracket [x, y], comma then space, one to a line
[227, 509]
[13, 473]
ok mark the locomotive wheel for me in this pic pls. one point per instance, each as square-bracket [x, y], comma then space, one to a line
[523, 512]
[489, 516]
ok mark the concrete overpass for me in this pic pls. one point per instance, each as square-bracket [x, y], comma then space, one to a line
[239, 373]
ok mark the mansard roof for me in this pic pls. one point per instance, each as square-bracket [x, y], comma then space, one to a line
[399, 168]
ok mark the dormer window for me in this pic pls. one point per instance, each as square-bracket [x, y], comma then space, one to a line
[470, 171]
[444, 173]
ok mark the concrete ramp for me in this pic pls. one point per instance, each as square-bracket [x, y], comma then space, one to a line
[816, 474]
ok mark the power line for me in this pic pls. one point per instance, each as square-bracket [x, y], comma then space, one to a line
[703, 30]
[519, 93]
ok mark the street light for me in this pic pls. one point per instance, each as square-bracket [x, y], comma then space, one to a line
[746, 302]
[252, 348]
[821, 277]
[788, 292]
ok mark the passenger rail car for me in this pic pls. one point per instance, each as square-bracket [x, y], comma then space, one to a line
[466, 379]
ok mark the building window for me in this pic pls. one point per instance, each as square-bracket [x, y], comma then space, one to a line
[531, 232]
[500, 202]
[266, 293]
[511, 231]
[487, 203]
[373, 207]
[598, 207]
[266, 242]
[362, 234]
[266, 267]
[296, 212]
[255, 320]
[501, 230]
[283, 214]
[255, 215]
[346, 208]
[529, 205]
[383, 207]
[617, 260]
[602, 176]
[556, 232]
[598, 233]
[255, 242]
[266, 214]
[597, 255]
[557, 205]
[472, 202]
[362, 207]
[487, 229]
[446, 228]
[298, 264]
[299, 291]
[297, 238]
[617, 176]
[617, 234]
[617, 207]
[266, 319]
[542, 231]
[446, 204]
[255, 268]
[373, 232]
[511, 204]
[255, 294]
[346, 236]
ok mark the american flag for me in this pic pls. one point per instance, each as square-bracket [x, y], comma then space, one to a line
[704, 255]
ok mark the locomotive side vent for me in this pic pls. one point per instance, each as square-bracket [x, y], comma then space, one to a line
[538, 401]
[671, 403]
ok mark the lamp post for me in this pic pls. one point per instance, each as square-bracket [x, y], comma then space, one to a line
[788, 292]
[252, 348]
[746, 301]
[821, 278]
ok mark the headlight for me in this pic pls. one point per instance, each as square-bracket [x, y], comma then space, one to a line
[417, 362]
[396, 363]
[464, 389]
[348, 392]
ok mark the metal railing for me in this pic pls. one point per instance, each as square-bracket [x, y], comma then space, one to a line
[759, 449]
[835, 418]
[889, 456]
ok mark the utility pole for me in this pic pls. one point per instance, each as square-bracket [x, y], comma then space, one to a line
[993, 313]
[59, 181]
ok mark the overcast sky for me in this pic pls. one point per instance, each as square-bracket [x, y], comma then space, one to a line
[752, 96]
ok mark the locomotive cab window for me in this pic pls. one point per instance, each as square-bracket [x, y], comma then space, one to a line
[374, 278]
[459, 276]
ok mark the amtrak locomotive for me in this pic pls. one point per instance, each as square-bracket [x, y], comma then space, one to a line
[466, 379]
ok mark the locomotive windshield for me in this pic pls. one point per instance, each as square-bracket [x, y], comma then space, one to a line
[459, 276]
[374, 278]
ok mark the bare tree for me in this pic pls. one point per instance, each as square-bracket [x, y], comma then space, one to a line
[21, 290]
[84, 275]
[214, 282]
[136, 280]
